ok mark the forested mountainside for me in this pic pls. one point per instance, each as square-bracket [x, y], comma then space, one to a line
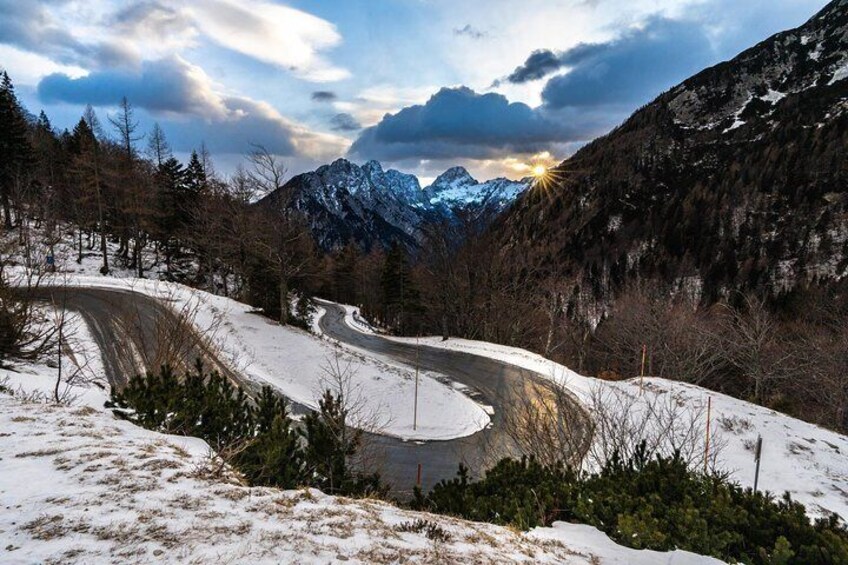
[369, 207]
[734, 180]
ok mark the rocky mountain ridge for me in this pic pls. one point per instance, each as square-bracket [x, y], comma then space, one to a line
[369, 206]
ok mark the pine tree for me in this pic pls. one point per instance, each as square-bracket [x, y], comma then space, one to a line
[345, 270]
[401, 299]
[274, 457]
[196, 179]
[84, 148]
[16, 155]
[171, 214]
[330, 444]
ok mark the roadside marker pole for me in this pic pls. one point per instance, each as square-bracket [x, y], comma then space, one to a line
[757, 456]
[417, 362]
[418, 480]
[642, 373]
[707, 443]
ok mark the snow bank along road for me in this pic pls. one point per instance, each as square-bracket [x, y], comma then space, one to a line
[132, 329]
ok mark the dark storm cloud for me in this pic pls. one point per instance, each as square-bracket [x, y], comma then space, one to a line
[462, 123]
[344, 122]
[324, 96]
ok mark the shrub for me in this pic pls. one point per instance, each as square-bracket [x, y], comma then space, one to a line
[651, 503]
[259, 436]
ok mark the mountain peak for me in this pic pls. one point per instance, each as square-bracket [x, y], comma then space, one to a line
[373, 167]
[453, 178]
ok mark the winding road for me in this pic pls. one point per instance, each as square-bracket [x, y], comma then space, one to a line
[136, 332]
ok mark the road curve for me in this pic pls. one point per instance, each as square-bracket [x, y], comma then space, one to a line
[494, 383]
[136, 333]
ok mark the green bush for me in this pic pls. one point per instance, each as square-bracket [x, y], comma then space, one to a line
[265, 445]
[647, 504]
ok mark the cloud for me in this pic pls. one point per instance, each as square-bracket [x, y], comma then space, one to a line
[186, 97]
[324, 96]
[470, 31]
[538, 65]
[95, 37]
[460, 123]
[155, 25]
[369, 106]
[31, 27]
[628, 70]
[344, 122]
[167, 85]
[279, 35]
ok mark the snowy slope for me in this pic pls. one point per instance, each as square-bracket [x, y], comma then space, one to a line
[79, 486]
[808, 461]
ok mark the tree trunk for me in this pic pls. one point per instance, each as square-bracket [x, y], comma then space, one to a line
[284, 300]
[7, 212]
[104, 270]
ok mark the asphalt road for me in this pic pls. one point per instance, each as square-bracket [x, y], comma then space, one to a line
[137, 333]
[494, 383]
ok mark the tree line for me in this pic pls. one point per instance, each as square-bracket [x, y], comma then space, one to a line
[108, 182]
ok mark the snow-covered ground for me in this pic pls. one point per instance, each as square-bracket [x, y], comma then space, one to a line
[78, 485]
[808, 461]
[302, 365]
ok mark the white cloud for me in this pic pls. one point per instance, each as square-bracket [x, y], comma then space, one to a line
[275, 34]
[371, 104]
[26, 68]
[97, 35]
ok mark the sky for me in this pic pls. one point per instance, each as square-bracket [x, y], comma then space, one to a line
[497, 86]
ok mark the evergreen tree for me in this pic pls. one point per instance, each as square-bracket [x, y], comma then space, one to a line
[330, 443]
[196, 179]
[171, 213]
[401, 299]
[274, 457]
[16, 154]
[90, 205]
[345, 269]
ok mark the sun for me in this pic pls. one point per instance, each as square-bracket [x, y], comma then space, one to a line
[539, 170]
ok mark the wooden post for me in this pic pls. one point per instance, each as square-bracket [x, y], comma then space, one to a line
[758, 451]
[707, 442]
[642, 372]
[417, 362]
[418, 479]
[59, 378]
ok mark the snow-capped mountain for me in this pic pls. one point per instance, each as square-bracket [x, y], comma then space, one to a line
[734, 180]
[455, 189]
[369, 206]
